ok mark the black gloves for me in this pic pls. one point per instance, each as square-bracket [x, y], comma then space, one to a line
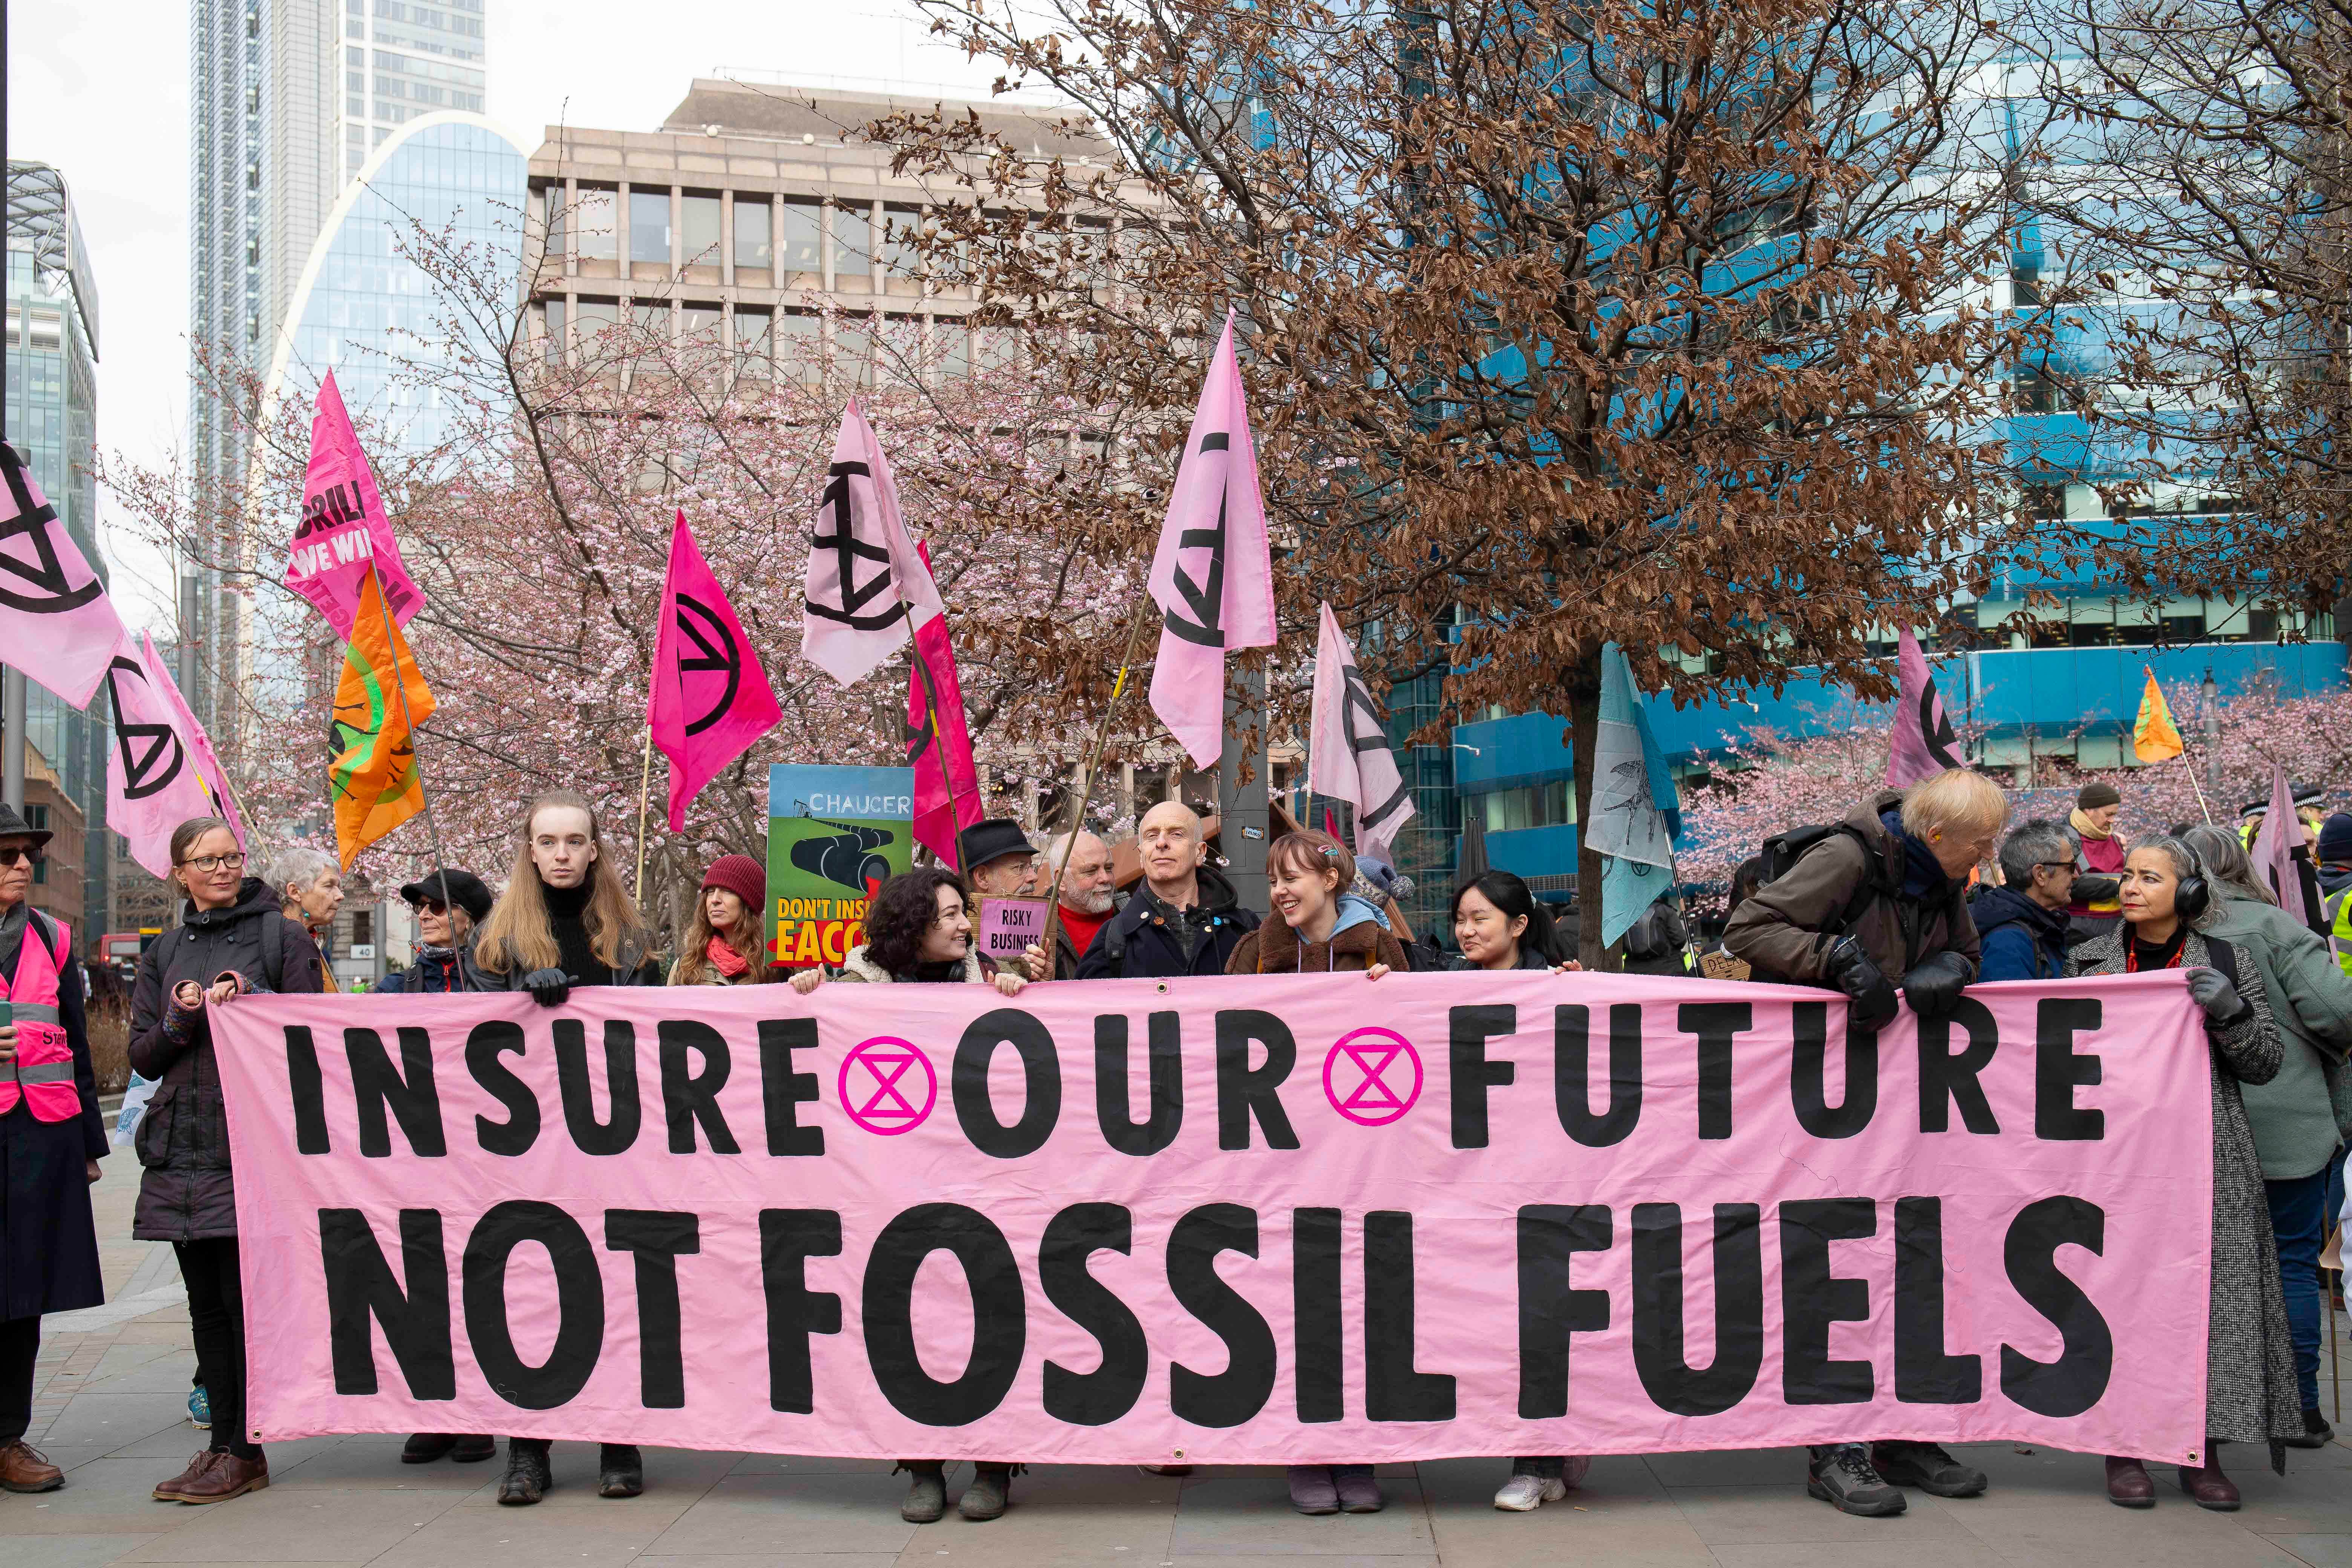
[548, 988]
[1935, 984]
[2094, 890]
[1852, 972]
[2211, 990]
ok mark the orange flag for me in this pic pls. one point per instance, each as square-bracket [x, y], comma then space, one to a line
[372, 779]
[2154, 737]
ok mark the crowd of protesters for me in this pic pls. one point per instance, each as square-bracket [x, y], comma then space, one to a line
[1892, 905]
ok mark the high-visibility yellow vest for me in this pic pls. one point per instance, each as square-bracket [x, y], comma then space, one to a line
[2339, 928]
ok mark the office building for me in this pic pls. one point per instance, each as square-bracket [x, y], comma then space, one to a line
[52, 418]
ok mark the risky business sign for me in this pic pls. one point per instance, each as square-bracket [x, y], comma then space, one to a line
[1298, 1219]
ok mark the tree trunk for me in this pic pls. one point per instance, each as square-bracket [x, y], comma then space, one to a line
[1580, 684]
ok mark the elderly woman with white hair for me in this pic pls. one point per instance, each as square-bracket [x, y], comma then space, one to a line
[309, 886]
[1877, 904]
[2168, 916]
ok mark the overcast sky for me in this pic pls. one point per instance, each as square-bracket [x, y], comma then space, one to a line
[100, 89]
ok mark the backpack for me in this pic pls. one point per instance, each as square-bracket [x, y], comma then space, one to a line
[1782, 851]
[1656, 932]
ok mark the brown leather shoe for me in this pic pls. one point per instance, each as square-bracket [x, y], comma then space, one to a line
[2128, 1483]
[2208, 1488]
[24, 1469]
[227, 1475]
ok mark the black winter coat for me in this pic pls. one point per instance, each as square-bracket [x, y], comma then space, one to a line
[429, 976]
[183, 1140]
[49, 1242]
[1136, 944]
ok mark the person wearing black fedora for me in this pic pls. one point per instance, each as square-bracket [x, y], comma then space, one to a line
[999, 861]
[51, 1138]
[448, 904]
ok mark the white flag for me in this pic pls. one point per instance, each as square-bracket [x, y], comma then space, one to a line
[1349, 757]
[152, 780]
[868, 590]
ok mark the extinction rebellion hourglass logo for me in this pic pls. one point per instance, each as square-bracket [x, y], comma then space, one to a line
[1372, 1077]
[888, 1087]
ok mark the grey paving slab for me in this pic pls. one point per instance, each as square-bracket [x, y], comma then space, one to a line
[1620, 1515]
[806, 1464]
[2319, 1550]
[1112, 1515]
[106, 1486]
[515, 1537]
[675, 1479]
[69, 1551]
[1251, 1517]
[1968, 1554]
[656, 1559]
[1758, 1516]
[282, 1526]
[374, 1465]
[2174, 1534]
[1614, 1480]
[116, 1419]
[793, 1514]
[1400, 1560]
[1728, 1467]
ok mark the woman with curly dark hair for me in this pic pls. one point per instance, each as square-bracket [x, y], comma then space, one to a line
[918, 932]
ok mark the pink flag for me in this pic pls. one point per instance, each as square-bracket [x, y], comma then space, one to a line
[56, 623]
[866, 586]
[201, 756]
[152, 782]
[1213, 575]
[2275, 842]
[1347, 755]
[710, 699]
[1923, 744]
[343, 530]
[938, 748]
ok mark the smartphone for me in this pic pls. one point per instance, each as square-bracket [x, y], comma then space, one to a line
[8, 1013]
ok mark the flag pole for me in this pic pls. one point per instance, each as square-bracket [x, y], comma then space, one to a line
[1086, 780]
[2149, 671]
[423, 796]
[644, 796]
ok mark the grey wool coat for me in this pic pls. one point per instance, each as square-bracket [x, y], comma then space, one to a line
[2250, 1389]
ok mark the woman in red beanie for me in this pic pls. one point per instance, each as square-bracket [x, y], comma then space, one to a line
[724, 946]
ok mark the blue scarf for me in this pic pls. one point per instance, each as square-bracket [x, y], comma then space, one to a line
[1923, 877]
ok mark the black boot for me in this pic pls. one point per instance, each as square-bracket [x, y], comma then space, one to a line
[926, 1497]
[2316, 1432]
[473, 1448]
[988, 1495]
[528, 1478]
[1841, 1476]
[423, 1447]
[620, 1470]
[1927, 1466]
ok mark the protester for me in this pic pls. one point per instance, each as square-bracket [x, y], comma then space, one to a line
[1184, 920]
[1319, 929]
[2022, 924]
[998, 858]
[233, 940]
[309, 886]
[726, 943]
[918, 932]
[2250, 1381]
[2293, 1116]
[1883, 899]
[1088, 898]
[444, 938]
[51, 1139]
[2098, 857]
[1658, 942]
[2334, 854]
[565, 920]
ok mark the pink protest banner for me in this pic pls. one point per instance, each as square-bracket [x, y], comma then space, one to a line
[344, 528]
[1303, 1219]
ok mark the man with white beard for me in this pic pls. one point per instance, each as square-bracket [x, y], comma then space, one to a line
[1088, 898]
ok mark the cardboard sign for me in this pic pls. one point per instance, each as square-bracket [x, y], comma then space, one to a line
[1296, 1219]
[834, 835]
[1009, 926]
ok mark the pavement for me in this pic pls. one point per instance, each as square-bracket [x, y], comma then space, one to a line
[110, 1406]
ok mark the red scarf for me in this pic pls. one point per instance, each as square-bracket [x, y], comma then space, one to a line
[1083, 926]
[725, 959]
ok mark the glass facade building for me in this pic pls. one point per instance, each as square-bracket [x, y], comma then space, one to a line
[52, 418]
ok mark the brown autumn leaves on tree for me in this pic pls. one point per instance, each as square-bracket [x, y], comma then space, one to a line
[1658, 324]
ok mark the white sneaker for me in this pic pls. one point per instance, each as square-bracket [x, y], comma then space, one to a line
[1525, 1494]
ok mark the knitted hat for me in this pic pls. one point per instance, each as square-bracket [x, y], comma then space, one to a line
[741, 876]
[2096, 793]
[2336, 838]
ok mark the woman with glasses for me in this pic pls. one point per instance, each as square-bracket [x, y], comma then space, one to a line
[918, 932]
[448, 904]
[51, 1138]
[232, 940]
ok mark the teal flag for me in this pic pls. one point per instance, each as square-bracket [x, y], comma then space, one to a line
[1635, 810]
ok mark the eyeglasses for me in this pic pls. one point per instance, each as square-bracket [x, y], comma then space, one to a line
[23, 854]
[216, 863]
[428, 906]
[2054, 865]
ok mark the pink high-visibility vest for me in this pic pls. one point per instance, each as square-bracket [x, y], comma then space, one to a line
[43, 1072]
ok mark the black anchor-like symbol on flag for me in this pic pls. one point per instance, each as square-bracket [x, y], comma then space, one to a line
[849, 550]
[717, 654]
[45, 572]
[1935, 728]
[1205, 599]
[921, 737]
[150, 754]
[1357, 703]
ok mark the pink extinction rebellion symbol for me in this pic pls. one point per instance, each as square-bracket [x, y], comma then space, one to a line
[1357, 1077]
[874, 1090]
